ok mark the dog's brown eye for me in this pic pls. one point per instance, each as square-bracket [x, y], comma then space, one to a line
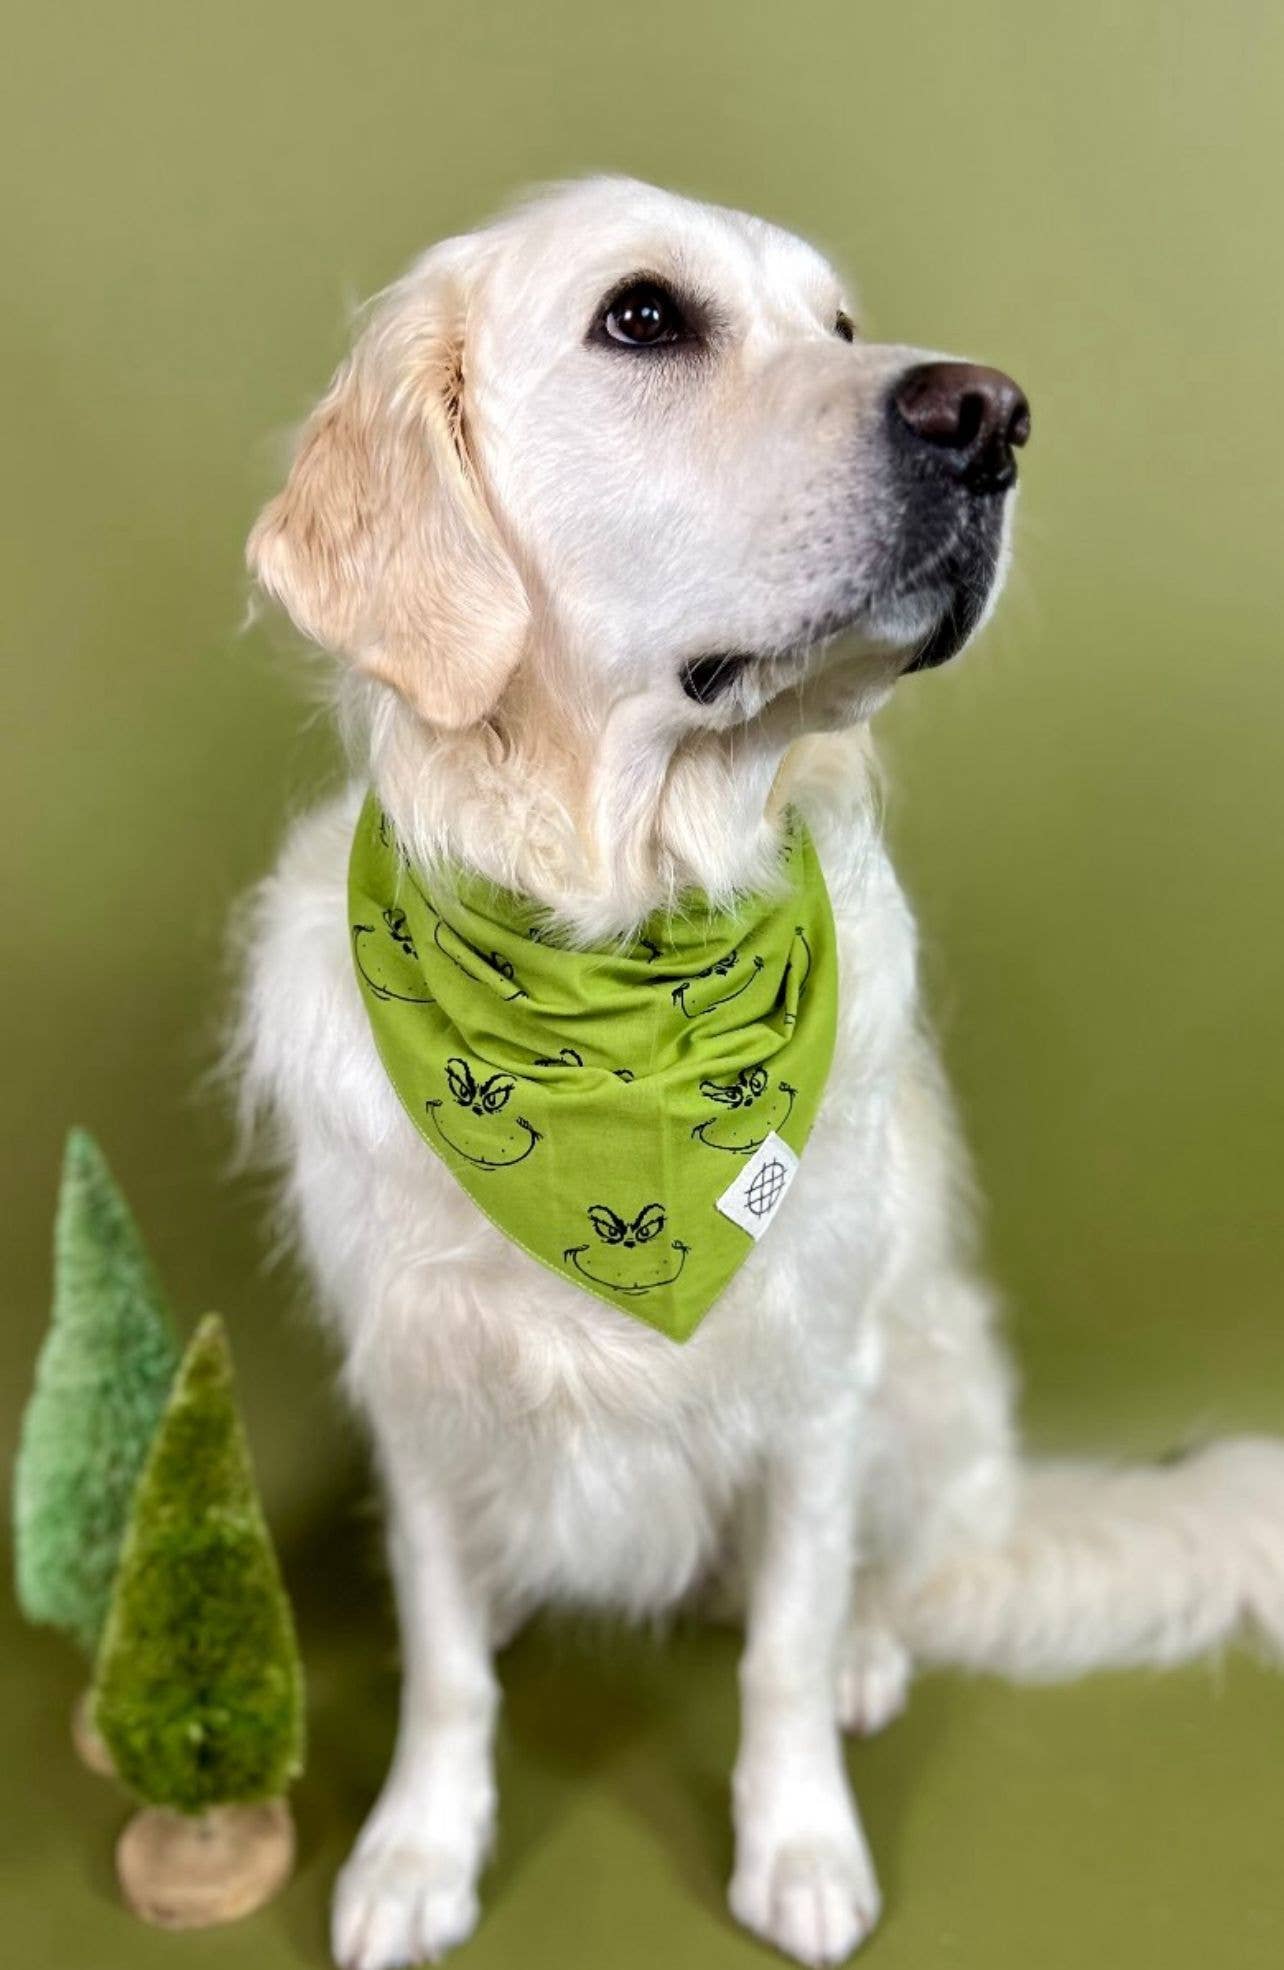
[844, 327]
[644, 317]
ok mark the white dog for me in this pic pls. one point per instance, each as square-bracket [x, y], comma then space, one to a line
[624, 533]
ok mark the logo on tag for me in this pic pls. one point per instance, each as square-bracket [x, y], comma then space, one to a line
[758, 1192]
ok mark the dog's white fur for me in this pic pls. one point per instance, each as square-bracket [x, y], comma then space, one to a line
[516, 539]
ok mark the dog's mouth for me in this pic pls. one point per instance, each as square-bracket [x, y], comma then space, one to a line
[705, 679]
[943, 577]
[958, 588]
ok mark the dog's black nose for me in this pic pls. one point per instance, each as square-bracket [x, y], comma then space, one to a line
[971, 417]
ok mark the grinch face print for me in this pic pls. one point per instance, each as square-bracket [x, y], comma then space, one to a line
[489, 967]
[628, 1255]
[748, 1109]
[568, 1057]
[476, 1123]
[388, 961]
[716, 985]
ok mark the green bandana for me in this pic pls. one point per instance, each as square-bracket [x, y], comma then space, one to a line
[631, 1116]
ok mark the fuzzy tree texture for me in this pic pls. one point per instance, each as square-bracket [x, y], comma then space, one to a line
[104, 1372]
[199, 1688]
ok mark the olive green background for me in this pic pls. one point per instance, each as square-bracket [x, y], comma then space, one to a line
[1089, 811]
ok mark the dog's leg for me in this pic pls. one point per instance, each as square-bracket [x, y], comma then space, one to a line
[409, 1891]
[803, 1877]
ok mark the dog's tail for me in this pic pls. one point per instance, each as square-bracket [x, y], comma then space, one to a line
[1107, 1568]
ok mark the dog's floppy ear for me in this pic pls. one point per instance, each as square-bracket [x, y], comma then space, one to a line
[381, 545]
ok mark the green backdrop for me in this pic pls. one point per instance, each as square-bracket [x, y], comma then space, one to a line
[1089, 811]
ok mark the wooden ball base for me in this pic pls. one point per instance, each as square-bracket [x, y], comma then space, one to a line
[191, 1871]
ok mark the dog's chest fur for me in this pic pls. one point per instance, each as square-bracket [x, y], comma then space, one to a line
[561, 1422]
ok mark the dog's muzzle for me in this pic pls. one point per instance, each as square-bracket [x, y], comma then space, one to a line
[953, 431]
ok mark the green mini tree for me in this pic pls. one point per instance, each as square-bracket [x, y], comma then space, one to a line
[199, 1691]
[102, 1379]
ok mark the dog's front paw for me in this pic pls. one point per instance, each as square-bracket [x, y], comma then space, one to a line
[815, 1899]
[397, 1904]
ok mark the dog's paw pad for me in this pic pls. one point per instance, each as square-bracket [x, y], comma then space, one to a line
[815, 1900]
[400, 1905]
[873, 1681]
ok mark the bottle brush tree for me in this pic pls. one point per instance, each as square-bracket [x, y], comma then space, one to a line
[102, 1379]
[199, 1686]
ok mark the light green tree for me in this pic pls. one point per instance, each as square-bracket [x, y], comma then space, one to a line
[102, 1379]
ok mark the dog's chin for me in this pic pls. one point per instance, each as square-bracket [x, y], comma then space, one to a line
[933, 620]
[919, 623]
[960, 611]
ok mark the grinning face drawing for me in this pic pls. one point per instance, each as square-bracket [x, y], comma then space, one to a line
[708, 989]
[475, 1124]
[386, 957]
[628, 1256]
[489, 966]
[750, 1107]
[568, 1057]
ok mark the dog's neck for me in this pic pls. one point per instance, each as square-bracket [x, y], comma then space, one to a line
[606, 816]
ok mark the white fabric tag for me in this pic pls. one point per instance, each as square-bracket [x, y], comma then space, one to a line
[758, 1192]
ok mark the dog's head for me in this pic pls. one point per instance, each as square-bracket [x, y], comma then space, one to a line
[649, 432]
[652, 432]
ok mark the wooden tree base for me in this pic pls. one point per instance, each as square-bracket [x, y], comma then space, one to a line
[182, 1871]
[90, 1747]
